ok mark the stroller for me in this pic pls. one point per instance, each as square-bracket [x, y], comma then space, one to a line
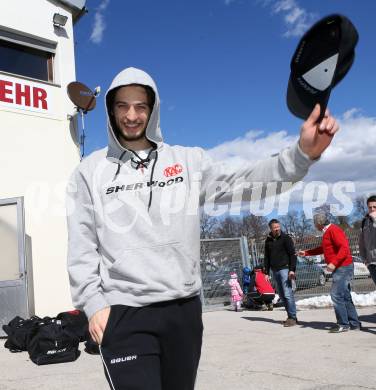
[261, 293]
[246, 279]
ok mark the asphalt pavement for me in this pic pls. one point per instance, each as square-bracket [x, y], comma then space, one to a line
[241, 351]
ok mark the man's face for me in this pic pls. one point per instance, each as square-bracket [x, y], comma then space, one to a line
[275, 228]
[131, 112]
[371, 207]
[319, 227]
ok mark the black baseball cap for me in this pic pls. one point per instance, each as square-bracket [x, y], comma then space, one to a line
[324, 55]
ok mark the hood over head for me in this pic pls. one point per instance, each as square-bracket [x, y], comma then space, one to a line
[153, 132]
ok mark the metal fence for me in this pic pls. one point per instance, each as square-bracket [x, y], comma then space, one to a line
[220, 257]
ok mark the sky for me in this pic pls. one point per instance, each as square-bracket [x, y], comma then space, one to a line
[222, 67]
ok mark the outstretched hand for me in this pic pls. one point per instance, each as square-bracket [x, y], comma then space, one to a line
[316, 137]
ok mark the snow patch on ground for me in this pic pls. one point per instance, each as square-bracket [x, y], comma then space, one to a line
[360, 300]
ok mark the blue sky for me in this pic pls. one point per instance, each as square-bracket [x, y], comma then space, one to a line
[222, 68]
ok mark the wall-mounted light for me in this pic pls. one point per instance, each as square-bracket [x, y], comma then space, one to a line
[59, 20]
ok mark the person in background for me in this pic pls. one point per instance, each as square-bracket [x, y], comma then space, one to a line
[261, 292]
[280, 258]
[246, 279]
[236, 291]
[336, 250]
[367, 238]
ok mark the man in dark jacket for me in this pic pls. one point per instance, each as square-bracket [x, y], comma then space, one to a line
[367, 239]
[280, 257]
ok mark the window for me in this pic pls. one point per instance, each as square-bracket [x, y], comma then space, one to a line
[26, 61]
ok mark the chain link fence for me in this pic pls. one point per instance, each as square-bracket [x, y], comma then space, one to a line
[220, 257]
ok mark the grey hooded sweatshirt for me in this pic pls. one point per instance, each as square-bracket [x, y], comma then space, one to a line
[134, 229]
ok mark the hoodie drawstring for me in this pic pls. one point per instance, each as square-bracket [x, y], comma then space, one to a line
[118, 165]
[151, 179]
[143, 163]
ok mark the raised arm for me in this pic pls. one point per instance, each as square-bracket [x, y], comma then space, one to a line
[220, 181]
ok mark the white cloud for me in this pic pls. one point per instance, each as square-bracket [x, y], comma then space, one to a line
[351, 157]
[99, 23]
[297, 19]
[243, 148]
[228, 2]
[352, 154]
[103, 5]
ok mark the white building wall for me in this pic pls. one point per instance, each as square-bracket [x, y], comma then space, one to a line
[38, 152]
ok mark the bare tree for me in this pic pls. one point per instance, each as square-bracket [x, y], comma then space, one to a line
[343, 221]
[254, 226]
[229, 227]
[359, 211]
[360, 206]
[305, 226]
[208, 226]
[290, 222]
[296, 224]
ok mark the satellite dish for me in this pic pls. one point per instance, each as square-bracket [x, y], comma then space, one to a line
[85, 100]
[82, 96]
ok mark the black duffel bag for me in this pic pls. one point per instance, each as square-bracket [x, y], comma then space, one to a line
[52, 344]
[75, 321]
[20, 331]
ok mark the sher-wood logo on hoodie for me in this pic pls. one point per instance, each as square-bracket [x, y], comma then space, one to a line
[140, 186]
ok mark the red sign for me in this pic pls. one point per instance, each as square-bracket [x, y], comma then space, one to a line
[23, 95]
[173, 170]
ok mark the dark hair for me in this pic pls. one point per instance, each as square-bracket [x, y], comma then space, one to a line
[372, 198]
[149, 92]
[273, 221]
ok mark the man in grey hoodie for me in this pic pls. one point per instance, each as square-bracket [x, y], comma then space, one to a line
[134, 248]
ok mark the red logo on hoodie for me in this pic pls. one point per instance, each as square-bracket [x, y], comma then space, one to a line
[173, 170]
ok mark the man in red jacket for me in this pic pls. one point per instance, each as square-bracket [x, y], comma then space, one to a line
[336, 250]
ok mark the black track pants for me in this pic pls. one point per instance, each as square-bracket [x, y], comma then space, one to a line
[155, 347]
